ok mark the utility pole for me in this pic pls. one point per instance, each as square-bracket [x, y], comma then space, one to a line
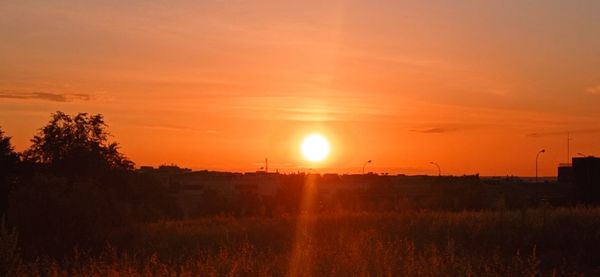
[364, 165]
[537, 157]
[569, 139]
[568, 145]
[438, 167]
[266, 165]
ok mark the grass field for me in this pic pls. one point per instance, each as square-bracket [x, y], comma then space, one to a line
[551, 241]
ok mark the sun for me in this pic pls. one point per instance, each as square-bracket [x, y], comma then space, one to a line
[315, 148]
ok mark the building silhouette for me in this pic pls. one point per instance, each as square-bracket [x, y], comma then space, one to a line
[565, 173]
[586, 179]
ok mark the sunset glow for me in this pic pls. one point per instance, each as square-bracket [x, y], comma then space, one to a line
[220, 85]
[315, 148]
[300, 138]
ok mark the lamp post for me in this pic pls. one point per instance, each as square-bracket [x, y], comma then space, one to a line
[536, 163]
[438, 167]
[364, 165]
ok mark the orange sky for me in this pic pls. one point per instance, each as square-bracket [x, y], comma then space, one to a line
[477, 87]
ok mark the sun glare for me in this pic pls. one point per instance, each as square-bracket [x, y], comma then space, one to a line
[315, 148]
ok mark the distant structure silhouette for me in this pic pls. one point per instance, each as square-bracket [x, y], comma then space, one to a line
[565, 173]
[586, 178]
[537, 157]
[438, 167]
[569, 139]
[364, 165]
[584, 174]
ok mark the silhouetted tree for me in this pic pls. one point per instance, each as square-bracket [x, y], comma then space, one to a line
[77, 188]
[9, 160]
[76, 146]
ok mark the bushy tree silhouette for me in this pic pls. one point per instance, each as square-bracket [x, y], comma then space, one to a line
[76, 146]
[75, 187]
[9, 160]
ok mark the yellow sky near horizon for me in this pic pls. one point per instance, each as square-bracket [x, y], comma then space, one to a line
[477, 87]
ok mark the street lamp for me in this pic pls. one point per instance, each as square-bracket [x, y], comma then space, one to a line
[536, 163]
[438, 167]
[364, 165]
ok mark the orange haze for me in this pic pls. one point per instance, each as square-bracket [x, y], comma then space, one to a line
[478, 87]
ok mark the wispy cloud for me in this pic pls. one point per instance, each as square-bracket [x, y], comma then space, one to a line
[593, 90]
[432, 130]
[179, 129]
[445, 127]
[304, 108]
[46, 96]
[562, 133]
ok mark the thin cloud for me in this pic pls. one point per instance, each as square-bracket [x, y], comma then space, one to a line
[443, 128]
[594, 90]
[562, 133]
[179, 129]
[433, 130]
[46, 96]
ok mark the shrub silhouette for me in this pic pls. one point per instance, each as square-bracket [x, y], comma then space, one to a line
[9, 160]
[10, 255]
[77, 187]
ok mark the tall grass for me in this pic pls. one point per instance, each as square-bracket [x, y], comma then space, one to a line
[562, 241]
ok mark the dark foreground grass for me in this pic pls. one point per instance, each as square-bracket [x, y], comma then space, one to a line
[552, 241]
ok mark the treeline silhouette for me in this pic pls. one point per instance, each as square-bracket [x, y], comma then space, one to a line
[376, 193]
[72, 187]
